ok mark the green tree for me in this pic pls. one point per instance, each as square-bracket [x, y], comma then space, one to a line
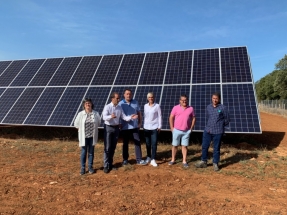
[274, 85]
[282, 64]
[280, 84]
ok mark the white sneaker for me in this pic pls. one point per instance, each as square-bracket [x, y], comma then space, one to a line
[147, 160]
[153, 163]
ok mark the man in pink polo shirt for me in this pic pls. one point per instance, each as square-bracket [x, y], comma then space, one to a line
[181, 121]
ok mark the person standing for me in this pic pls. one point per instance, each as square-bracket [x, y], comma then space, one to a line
[87, 123]
[152, 126]
[111, 115]
[131, 128]
[181, 121]
[217, 119]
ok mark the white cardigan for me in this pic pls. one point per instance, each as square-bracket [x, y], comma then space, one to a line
[80, 125]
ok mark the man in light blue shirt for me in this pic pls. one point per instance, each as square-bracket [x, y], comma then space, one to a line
[131, 128]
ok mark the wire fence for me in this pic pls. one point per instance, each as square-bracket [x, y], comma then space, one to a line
[274, 106]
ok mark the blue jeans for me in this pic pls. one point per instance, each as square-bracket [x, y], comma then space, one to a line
[151, 142]
[111, 135]
[88, 148]
[206, 139]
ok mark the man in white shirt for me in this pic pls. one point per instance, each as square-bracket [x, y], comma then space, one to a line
[111, 115]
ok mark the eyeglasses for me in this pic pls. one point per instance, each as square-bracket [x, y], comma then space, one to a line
[150, 97]
[183, 100]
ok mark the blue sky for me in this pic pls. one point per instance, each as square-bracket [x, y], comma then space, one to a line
[60, 28]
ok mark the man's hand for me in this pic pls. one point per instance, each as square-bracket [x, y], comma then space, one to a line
[113, 115]
[134, 116]
[158, 130]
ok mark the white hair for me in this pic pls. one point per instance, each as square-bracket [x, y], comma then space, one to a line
[149, 94]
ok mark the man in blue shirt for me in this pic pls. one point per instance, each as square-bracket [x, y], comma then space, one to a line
[217, 119]
[131, 128]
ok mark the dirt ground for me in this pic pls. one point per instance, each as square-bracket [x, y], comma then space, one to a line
[42, 177]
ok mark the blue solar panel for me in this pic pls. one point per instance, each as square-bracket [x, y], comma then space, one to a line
[235, 65]
[27, 73]
[44, 75]
[44, 107]
[179, 67]
[2, 90]
[170, 98]
[142, 91]
[11, 72]
[241, 103]
[200, 98]
[23, 106]
[196, 73]
[99, 96]
[67, 106]
[65, 71]
[154, 68]
[130, 69]
[121, 90]
[107, 70]
[7, 100]
[4, 65]
[86, 70]
[206, 66]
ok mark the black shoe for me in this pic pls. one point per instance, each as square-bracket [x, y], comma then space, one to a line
[106, 170]
[83, 171]
[91, 170]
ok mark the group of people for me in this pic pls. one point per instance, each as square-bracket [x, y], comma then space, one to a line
[125, 116]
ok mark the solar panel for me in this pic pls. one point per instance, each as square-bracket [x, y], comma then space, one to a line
[200, 98]
[206, 66]
[235, 65]
[153, 68]
[11, 72]
[130, 69]
[27, 73]
[86, 70]
[67, 107]
[65, 71]
[242, 107]
[7, 99]
[2, 90]
[41, 112]
[49, 92]
[107, 70]
[22, 107]
[179, 67]
[170, 98]
[142, 91]
[4, 65]
[44, 75]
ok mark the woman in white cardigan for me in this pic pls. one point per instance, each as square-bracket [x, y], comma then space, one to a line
[87, 123]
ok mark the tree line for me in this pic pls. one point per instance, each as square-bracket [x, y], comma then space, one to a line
[274, 85]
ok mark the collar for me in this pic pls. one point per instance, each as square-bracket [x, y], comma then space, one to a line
[113, 104]
[187, 106]
[124, 101]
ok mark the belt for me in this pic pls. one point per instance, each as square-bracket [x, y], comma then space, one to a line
[113, 125]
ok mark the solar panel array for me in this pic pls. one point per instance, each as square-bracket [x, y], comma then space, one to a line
[48, 92]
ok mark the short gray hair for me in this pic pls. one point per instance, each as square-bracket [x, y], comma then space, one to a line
[149, 94]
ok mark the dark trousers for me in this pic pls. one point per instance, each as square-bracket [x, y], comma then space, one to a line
[87, 149]
[206, 139]
[111, 135]
[127, 134]
[151, 142]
